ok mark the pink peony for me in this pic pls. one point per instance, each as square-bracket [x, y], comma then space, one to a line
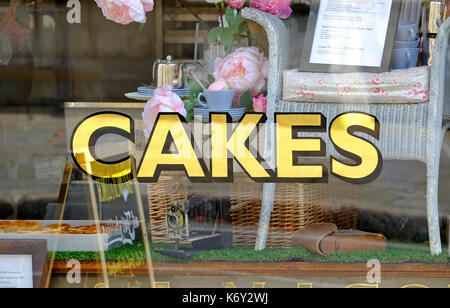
[218, 86]
[125, 11]
[245, 69]
[164, 100]
[236, 4]
[260, 103]
[280, 8]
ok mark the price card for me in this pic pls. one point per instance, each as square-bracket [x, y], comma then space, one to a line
[16, 271]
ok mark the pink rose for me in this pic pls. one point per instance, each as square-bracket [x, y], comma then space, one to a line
[260, 103]
[148, 5]
[245, 69]
[218, 86]
[164, 100]
[125, 11]
[236, 4]
[280, 8]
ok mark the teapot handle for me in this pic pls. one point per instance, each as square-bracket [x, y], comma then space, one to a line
[180, 78]
[154, 72]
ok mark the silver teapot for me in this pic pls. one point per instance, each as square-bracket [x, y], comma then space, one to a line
[168, 72]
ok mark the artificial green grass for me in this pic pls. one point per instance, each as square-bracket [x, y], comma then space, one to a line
[136, 254]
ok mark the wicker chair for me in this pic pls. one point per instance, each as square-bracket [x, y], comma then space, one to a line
[408, 132]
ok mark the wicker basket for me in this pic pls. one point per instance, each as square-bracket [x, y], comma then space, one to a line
[295, 206]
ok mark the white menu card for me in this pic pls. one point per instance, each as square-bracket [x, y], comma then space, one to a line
[16, 271]
[351, 32]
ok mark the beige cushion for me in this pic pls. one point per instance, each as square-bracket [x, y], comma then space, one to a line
[406, 86]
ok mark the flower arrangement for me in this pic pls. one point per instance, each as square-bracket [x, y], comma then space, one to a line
[125, 11]
[280, 8]
[233, 27]
[260, 103]
[164, 100]
[244, 70]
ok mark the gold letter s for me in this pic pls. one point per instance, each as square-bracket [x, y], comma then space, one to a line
[367, 158]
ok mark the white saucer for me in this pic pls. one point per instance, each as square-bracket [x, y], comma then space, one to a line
[231, 111]
[138, 96]
[205, 118]
[146, 90]
[235, 113]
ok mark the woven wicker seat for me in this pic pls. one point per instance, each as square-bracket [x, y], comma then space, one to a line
[408, 132]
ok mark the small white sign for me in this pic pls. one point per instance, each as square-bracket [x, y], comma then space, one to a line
[351, 32]
[16, 271]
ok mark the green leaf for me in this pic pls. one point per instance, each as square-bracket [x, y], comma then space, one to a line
[193, 85]
[243, 26]
[227, 38]
[229, 15]
[247, 100]
[239, 20]
[287, 23]
[189, 106]
[211, 79]
[192, 98]
[190, 117]
[213, 34]
[195, 89]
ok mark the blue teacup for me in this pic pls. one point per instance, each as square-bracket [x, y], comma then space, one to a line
[407, 31]
[221, 99]
[404, 58]
[407, 44]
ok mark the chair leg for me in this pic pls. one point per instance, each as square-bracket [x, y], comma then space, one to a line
[264, 218]
[434, 232]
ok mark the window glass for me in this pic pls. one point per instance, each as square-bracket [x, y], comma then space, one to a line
[222, 144]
